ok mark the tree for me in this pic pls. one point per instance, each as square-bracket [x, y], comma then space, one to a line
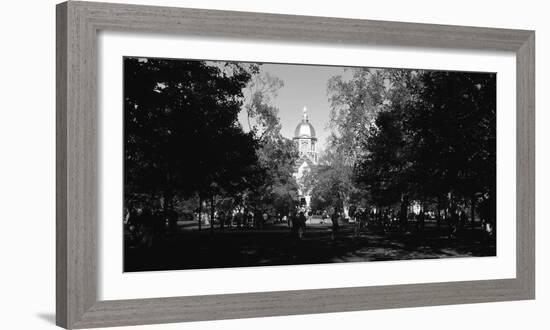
[382, 169]
[274, 189]
[422, 135]
[181, 130]
[355, 99]
[359, 101]
[434, 142]
[452, 126]
[261, 115]
[331, 183]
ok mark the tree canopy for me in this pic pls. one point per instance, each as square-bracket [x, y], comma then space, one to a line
[413, 134]
[181, 130]
[183, 139]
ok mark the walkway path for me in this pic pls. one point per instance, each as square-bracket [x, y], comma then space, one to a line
[274, 245]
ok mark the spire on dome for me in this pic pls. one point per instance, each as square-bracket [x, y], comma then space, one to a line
[305, 114]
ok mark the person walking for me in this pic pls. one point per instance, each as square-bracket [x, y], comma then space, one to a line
[297, 228]
[301, 224]
[335, 225]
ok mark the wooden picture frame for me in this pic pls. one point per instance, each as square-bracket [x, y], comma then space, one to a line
[78, 24]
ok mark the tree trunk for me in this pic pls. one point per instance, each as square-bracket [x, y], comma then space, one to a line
[473, 211]
[345, 207]
[403, 216]
[212, 213]
[200, 212]
[438, 217]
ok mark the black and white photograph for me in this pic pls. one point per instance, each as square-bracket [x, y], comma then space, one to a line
[236, 164]
[268, 165]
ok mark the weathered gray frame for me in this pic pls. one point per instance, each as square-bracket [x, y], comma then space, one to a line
[77, 152]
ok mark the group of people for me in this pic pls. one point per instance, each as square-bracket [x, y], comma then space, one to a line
[450, 221]
[244, 219]
[297, 224]
[145, 226]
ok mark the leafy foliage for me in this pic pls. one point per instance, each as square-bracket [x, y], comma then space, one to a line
[423, 135]
[185, 145]
[181, 130]
[276, 189]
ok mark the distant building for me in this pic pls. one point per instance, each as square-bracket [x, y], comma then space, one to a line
[306, 141]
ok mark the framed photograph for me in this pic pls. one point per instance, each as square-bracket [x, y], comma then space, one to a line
[217, 164]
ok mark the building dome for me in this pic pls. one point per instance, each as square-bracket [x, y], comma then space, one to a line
[304, 128]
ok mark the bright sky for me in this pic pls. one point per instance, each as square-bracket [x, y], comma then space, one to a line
[304, 86]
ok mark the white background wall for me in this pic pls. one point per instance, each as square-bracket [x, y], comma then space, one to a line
[27, 167]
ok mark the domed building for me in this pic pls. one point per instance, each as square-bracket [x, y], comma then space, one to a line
[306, 141]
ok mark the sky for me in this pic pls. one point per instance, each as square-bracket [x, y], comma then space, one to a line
[304, 86]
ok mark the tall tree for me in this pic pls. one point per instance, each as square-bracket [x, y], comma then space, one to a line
[452, 126]
[434, 142]
[181, 130]
[275, 188]
[358, 98]
[355, 98]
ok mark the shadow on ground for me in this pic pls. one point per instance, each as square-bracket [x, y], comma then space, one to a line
[47, 317]
[192, 249]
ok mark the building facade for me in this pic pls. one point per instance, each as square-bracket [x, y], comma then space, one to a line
[306, 141]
